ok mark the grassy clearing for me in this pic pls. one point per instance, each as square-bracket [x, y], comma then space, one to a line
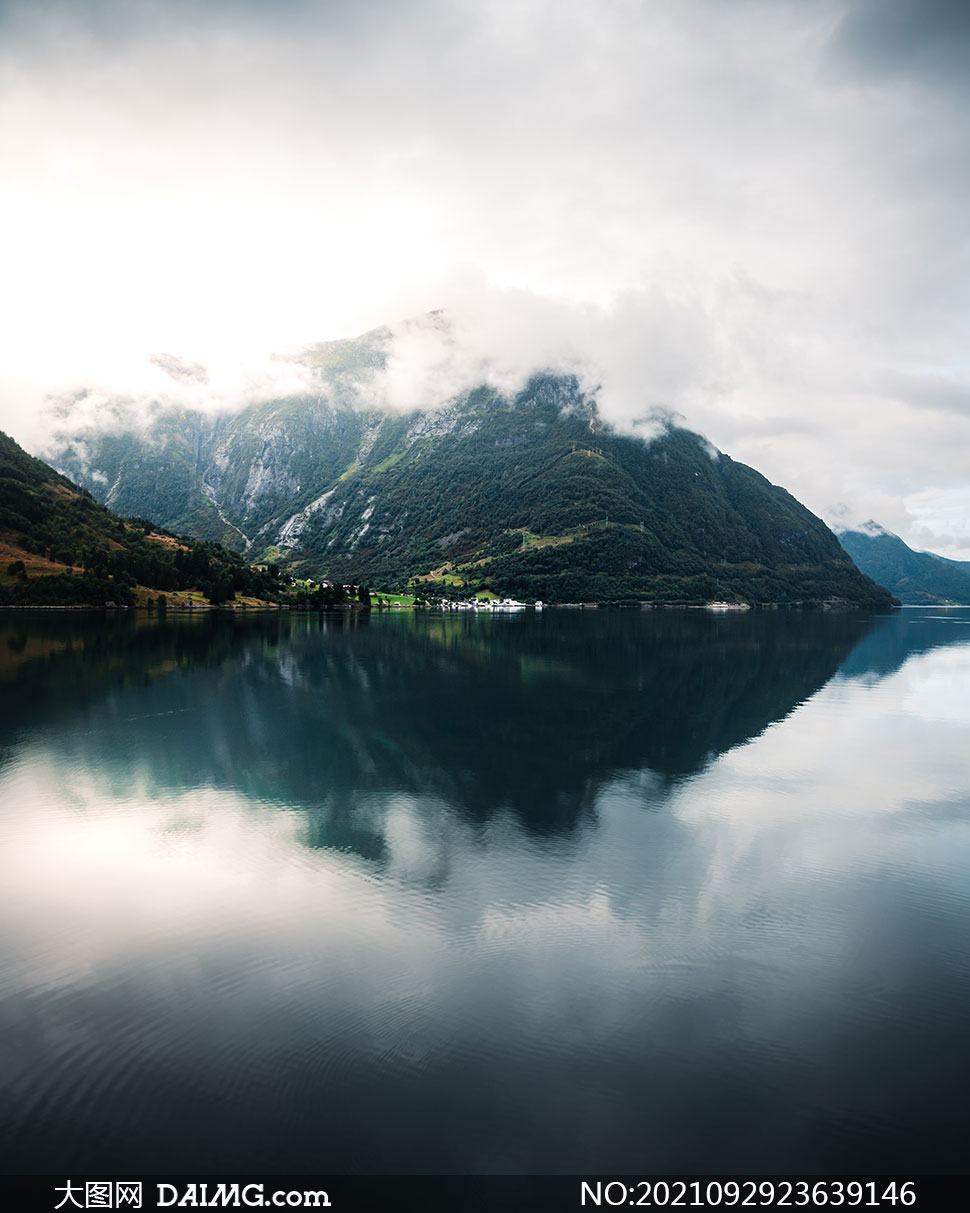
[378, 596]
[445, 572]
[36, 566]
[179, 598]
[531, 540]
[167, 541]
[176, 599]
[390, 461]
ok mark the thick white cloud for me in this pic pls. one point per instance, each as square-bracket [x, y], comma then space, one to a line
[753, 214]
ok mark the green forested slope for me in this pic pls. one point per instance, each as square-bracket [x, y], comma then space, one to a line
[531, 496]
[916, 578]
[59, 547]
[534, 498]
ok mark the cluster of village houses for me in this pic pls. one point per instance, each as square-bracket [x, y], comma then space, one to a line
[447, 604]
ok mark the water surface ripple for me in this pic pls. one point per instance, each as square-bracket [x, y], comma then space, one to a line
[597, 891]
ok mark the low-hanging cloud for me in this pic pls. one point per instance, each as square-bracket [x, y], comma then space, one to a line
[644, 354]
[132, 398]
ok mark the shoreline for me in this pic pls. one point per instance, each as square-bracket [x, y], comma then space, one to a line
[711, 608]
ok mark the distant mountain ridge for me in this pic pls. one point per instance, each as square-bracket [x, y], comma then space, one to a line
[963, 565]
[915, 578]
[531, 495]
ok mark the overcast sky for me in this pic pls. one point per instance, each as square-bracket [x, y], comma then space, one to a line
[753, 212]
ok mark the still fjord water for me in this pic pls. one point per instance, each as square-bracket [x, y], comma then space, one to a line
[569, 891]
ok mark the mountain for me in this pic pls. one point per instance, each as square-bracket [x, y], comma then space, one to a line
[916, 578]
[59, 547]
[530, 495]
[962, 565]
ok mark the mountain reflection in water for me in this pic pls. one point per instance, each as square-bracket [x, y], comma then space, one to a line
[528, 713]
[558, 891]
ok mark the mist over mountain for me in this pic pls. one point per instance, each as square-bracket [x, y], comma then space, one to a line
[916, 578]
[517, 485]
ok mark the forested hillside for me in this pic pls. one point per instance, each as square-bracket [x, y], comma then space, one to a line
[533, 497]
[916, 578]
[530, 495]
[59, 547]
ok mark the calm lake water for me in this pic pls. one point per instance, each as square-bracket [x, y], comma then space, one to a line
[568, 891]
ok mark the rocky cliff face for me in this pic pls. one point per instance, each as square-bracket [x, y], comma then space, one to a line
[238, 478]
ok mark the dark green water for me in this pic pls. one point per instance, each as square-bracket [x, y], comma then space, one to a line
[569, 891]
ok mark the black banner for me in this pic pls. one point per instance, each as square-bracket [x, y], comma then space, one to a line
[495, 1193]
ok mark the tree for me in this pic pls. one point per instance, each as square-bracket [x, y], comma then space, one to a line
[220, 591]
